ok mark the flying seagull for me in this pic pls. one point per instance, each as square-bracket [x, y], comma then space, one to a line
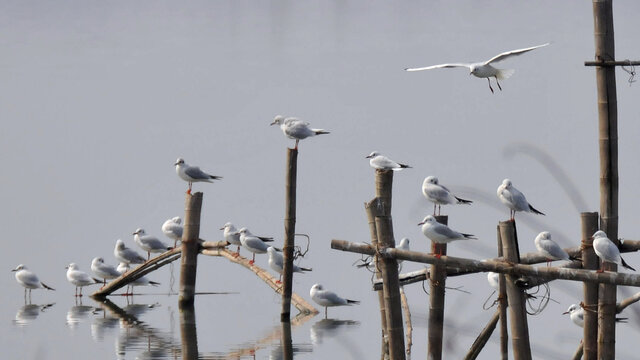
[295, 128]
[439, 194]
[514, 199]
[192, 174]
[484, 69]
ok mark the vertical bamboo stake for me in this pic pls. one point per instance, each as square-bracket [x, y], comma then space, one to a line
[188, 332]
[502, 303]
[389, 266]
[289, 233]
[437, 279]
[371, 218]
[516, 296]
[608, 135]
[189, 261]
[589, 225]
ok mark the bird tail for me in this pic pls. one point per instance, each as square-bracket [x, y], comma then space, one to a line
[504, 73]
[265, 238]
[320, 131]
[463, 201]
[469, 236]
[576, 257]
[47, 286]
[214, 177]
[154, 283]
[624, 263]
[352, 302]
[404, 166]
[535, 211]
[306, 269]
[97, 281]
[621, 319]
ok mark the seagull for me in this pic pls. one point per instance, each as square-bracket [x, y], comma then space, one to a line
[141, 281]
[549, 248]
[276, 262]
[439, 194]
[382, 162]
[296, 129]
[253, 243]
[79, 278]
[493, 279]
[172, 229]
[104, 271]
[127, 255]
[440, 233]
[232, 236]
[29, 280]
[514, 199]
[192, 174]
[484, 69]
[576, 313]
[328, 298]
[403, 245]
[607, 250]
[149, 243]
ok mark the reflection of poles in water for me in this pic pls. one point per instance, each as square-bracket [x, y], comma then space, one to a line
[188, 332]
[285, 341]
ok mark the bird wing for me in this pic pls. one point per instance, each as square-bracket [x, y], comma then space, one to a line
[447, 232]
[332, 298]
[554, 249]
[195, 173]
[508, 54]
[607, 250]
[440, 66]
[440, 193]
[29, 278]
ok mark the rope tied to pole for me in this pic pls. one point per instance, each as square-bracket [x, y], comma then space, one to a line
[631, 70]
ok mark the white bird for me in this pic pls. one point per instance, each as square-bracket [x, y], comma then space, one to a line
[439, 194]
[403, 245]
[79, 278]
[494, 279]
[149, 243]
[173, 229]
[576, 313]
[514, 199]
[549, 248]
[328, 298]
[276, 262]
[484, 69]
[253, 243]
[192, 174]
[141, 281]
[231, 235]
[127, 255]
[440, 233]
[295, 128]
[103, 271]
[607, 250]
[381, 162]
[29, 280]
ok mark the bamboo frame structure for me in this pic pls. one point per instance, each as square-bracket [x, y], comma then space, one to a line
[289, 233]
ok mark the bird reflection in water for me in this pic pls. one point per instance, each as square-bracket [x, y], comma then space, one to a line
[28, 313]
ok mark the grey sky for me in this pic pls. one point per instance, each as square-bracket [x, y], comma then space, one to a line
[98, 99]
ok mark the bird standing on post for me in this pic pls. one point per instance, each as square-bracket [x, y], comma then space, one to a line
[192, 174]
[607, 251]
[549, 248]
[484, 69]
[514, 199]
[173, 229]
[440, 233]
[328, 298]
[381, 162]
[295, 128]
[439, 194]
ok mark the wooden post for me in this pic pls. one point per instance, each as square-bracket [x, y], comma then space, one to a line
[502, 304]
[389, 266]
[516, 296]
[371, 218]
[190, 249]
[482, 339]
[188, 332]
[286, 345]
[437, 280]
[589, 225]
[289, 233]
[608, 143]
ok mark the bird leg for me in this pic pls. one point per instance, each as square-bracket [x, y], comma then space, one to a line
[253, 260]
[434, 209]
[237, 252]
[439, 209]
[189, 191]
[497, 82]
[490, 88]
[148, 255]
[325, 312]
[297, 140]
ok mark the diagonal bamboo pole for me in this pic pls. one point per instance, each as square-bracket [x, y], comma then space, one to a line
[589, 224]
[482, 339]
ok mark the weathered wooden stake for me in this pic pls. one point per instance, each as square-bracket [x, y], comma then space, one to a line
[437, 280]
[289, 233]
[190, 249]
[188, 332]
[515, 295]
[589, 225]
[608, 141]
[502, 307]
[389, 266]
[482, 339]
[371, 219]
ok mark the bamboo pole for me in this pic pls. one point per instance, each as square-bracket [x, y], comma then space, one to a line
[190, 248]
[289, 233]
[389, 266]
[482, 339]
[188, 333]
[437, 281]
[551, 273]
[589, 225]
[608, 144]
[515, 295]
[502, 306]
[371, 219]
[407, 320]
[285, 341]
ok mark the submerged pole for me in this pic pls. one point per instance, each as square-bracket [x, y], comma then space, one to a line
[289, 233]
[437, 279]
[190, 249]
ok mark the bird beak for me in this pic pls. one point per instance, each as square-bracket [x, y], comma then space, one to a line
[421, 223]
[14, 270]
[368, 157]
[565, 313]
[176, 164]
[273, 123]
[222, 228]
